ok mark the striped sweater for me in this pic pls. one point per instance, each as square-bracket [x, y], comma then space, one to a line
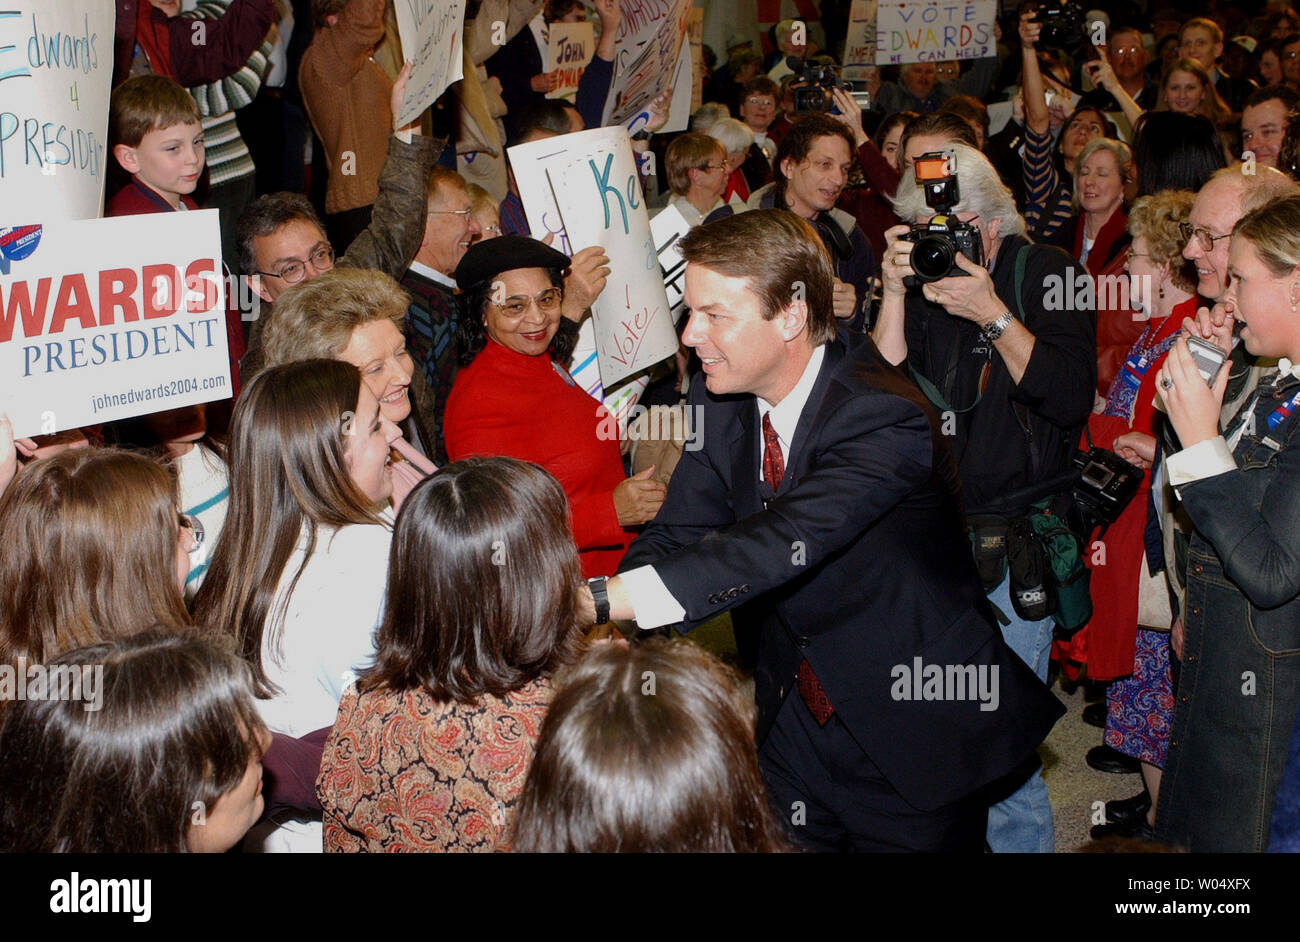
[227, 155]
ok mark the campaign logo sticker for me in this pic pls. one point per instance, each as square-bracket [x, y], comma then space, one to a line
[16, 243]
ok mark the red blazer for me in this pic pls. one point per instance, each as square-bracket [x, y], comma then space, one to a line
[527, 407]
[136, 199]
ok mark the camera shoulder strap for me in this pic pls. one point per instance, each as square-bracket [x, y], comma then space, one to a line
[932, 391]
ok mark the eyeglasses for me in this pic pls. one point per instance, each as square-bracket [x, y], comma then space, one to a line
[760, 102]
[1130, 255]
[449, 212]
[492, 230]
[1204, 237]
[548, 302]
[713, 167]
[295, 270]
[192, 523]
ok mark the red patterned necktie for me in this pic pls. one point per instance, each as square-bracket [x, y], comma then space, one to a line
[773, 463]
[809, 687]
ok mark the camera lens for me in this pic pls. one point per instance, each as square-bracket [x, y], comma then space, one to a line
[932, 259]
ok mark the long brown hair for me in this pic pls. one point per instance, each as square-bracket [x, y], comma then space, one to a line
[89, 553]
[481, 583]
[288, 471]
[647, 748]
[175, 724]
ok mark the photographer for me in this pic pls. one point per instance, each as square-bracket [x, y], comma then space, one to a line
[1017, 374]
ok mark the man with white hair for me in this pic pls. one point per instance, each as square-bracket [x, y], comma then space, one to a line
[1006, 350]
[919, 89]
[792, 40]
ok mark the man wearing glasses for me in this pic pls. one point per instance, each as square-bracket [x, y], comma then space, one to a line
[449, 228]
[1128, 60]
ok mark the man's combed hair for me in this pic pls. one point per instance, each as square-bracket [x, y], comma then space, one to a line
[687, 152]
[148, 103]
[264, 216]
[781, 255]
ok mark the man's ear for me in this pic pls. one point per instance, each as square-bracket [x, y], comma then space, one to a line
[786, 166]
[794, 319]
[126, 156]
[255, 282]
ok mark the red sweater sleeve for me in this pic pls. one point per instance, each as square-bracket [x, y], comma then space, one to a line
[226, 42]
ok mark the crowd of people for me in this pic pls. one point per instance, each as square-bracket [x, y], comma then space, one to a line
[365, 604]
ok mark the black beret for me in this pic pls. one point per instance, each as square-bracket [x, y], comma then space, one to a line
[489, 258]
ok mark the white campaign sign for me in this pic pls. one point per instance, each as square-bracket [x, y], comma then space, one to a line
[56, 66]
[668, 227]
[432, 33]
[107, 318]
[860, 43]
[589, 181]
[934, 31]
[569, 48]
[645, 57]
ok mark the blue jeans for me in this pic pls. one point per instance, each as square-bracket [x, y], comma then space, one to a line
[1022, 823]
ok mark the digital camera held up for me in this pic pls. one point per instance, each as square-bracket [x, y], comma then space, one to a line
[813, 93]
[1063, 25]
[937, 243]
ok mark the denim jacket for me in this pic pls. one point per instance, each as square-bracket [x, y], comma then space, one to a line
[1239, 689]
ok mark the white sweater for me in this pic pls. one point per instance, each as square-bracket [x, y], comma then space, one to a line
[328, 629]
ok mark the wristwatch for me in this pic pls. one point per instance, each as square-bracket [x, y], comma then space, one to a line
[994, 330]
[600, 596]
[641, 135]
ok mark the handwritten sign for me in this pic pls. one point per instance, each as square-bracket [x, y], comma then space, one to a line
[668, 226]
[56, 67]
[101, 319]
[432, 33]
[860, 41]
[589, 181]
[936, 31]
[569, 49]
[646, 54]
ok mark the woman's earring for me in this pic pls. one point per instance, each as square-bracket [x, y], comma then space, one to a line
[1162, 289]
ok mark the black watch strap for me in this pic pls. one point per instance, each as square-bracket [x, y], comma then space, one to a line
[600, 595]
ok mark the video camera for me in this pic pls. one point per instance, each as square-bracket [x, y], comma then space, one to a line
[816, 81]
[1063, 26]
[937, 243]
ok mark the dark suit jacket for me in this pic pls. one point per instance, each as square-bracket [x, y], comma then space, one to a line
[859, 563]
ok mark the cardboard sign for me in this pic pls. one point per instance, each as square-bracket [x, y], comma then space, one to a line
[569, 49]
[695, 38]
[432, 33]
[936, 31]
[588, 184]
[103, 319]
[56, 66]
[646, 55]
[860, 42]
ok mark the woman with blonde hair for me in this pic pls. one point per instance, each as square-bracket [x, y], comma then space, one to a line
[95, 549]
[1187, 88]
[1127, 639]
[1241, 489]
[359, 316]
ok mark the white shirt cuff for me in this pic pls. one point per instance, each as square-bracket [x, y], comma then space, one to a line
[404, 135]
[1203, 460]
[652, 604]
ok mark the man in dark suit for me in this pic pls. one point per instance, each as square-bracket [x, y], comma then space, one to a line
[822, 494]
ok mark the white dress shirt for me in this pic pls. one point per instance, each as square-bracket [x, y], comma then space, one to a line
[652, 603]
[422, 269]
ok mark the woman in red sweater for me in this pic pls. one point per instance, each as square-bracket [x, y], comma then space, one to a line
[510, 398]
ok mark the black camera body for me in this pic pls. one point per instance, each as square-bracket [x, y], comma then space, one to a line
[817, 81]
[1063, 25]
[937, 243]
[1106, 483]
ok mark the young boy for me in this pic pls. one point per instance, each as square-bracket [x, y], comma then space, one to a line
[157, 138]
